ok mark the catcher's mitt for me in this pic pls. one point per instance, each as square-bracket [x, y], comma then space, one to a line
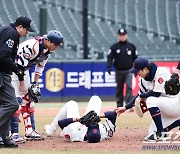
[172, 86]
[140, 106]
[34, 92]
[90, 118]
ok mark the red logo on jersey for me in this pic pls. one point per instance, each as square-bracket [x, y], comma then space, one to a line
[94, 131]
[160, 80]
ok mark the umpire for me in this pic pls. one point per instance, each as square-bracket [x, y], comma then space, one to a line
[9, 41]
[122, 55]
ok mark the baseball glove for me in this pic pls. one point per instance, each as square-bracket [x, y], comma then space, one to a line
[90, 118]
[172, 86]
[140, 107]
[34, 92]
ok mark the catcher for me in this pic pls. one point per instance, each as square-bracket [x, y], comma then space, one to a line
[33, 52]
[88, 127]
[159, 94]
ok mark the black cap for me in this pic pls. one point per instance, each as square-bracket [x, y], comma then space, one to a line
[139, 64]
[25, 22]
[93, 133]
[122, 31]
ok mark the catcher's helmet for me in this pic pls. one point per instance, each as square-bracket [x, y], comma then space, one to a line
[55, 37]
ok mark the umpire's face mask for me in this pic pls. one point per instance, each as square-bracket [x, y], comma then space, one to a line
[93, 133]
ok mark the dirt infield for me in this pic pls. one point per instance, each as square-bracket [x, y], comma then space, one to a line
[124, 139]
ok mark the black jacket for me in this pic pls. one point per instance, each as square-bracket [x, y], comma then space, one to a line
[121, 55]
[9, 42]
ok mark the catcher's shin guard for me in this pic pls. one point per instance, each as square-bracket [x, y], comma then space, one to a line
[26, 119]
[27, 123]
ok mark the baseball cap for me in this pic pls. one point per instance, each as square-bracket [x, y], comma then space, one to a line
[139, 63]
[93, 133]
[25, 22]
[122, 31]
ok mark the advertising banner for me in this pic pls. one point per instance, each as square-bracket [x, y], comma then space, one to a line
[83, 79]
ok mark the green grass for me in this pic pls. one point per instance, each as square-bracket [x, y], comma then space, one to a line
[80, 104]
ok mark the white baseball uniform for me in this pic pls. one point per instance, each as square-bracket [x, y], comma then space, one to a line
[76, 131]
[168, 105]
[30, 53]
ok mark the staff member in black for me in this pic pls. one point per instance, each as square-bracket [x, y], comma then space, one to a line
[9, 41]
[122, 55]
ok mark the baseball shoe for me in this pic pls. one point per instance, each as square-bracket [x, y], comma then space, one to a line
[34, 136]
[177, 136]
[1, 143]
[17, 138]
[156, 136]
[48, 130]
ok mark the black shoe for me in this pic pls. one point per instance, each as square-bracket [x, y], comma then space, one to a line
[1, 143]
[156, 136]
[9, 143]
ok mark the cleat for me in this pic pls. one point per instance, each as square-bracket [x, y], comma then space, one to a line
[34, 136]
[17, 138]
[156, 136]
[1, 143]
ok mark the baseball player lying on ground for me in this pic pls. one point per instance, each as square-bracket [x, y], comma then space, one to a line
[163, 106]
[88, 127]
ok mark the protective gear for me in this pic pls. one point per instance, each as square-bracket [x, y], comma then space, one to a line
[140, 106]
[90, 118]
[55, 37]
[34, 92]
[172, 86]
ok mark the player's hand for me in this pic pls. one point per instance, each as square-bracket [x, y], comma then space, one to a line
[120, 110]
[23, 88]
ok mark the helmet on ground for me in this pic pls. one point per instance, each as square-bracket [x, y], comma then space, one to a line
[55, 37]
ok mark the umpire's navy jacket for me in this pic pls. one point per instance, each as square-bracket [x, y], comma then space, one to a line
[121, 55]
[9, 41]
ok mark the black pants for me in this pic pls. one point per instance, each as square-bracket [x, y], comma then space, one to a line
[8, 105]
[123, 77]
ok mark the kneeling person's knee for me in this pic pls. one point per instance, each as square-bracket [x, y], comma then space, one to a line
[151, 102]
